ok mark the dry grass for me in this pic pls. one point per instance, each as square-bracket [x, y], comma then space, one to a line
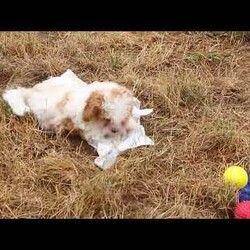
[198, 85]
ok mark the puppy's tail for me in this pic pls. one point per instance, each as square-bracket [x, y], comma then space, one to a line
[17, 100]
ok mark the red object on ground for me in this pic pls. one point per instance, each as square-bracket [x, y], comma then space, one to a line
[242, 210]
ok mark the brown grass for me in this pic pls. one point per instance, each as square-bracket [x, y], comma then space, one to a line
[198, 85]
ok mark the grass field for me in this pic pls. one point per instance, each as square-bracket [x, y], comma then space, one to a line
[199, 86]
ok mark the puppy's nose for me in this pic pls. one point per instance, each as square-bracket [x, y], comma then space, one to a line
[114, 130]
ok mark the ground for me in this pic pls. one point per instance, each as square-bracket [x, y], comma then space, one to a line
[198, 85]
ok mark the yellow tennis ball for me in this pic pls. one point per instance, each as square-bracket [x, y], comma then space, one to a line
[236, 175]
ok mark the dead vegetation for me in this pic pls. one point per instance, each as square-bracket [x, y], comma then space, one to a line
[198, 85]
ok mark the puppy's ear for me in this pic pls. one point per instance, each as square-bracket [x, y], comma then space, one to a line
[93, 108]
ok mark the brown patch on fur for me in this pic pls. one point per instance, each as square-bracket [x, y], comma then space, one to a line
[68, 124]
[60, 105]
[93, 109]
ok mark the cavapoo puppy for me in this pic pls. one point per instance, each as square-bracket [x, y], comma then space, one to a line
[97, 110]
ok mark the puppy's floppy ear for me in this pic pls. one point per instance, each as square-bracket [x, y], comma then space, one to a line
[93, 108]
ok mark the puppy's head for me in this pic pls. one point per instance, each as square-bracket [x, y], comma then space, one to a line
[111, 110]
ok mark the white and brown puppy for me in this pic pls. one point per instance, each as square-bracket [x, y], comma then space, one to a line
[97, 110]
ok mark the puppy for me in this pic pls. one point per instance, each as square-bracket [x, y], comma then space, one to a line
[99, 110]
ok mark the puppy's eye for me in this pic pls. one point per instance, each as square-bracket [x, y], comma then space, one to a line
[106, 122]
[123, 123]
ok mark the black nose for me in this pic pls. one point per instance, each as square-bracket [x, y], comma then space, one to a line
[113, 130]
